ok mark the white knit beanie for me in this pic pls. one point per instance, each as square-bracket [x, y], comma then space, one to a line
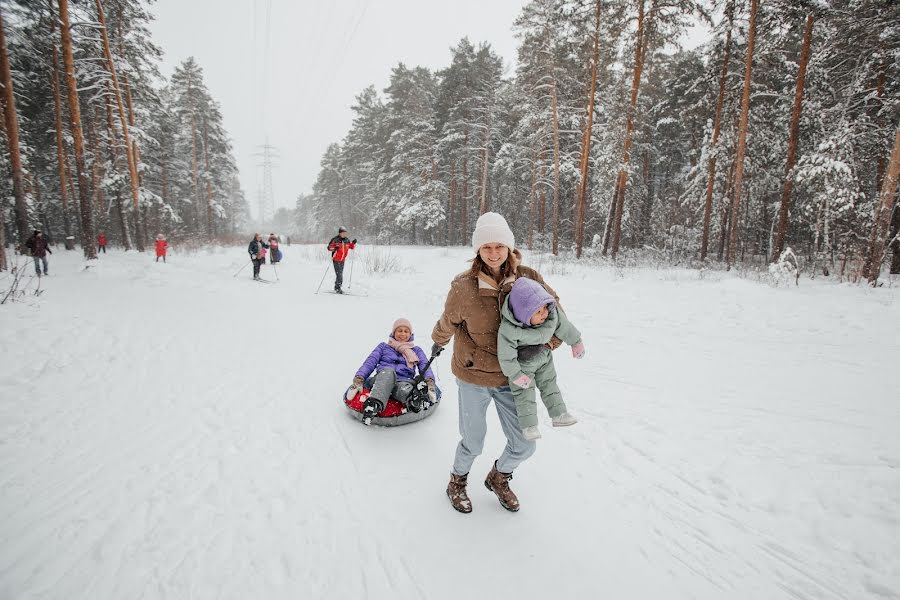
[491, 228]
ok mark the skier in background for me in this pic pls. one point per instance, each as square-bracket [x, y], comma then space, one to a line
[340, 248]
[101, 243]
[274, 252]
[257, 250]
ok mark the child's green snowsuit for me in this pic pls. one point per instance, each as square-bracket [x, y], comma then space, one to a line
[513, 335]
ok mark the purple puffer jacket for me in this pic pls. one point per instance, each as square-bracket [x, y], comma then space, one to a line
[385, 357]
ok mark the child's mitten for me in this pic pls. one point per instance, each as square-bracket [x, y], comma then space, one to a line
[578, 350]
[523, 381]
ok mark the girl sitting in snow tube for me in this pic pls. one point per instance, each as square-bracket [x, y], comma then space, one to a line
[402, 389]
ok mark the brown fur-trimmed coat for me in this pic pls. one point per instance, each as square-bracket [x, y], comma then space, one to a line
[472, 316]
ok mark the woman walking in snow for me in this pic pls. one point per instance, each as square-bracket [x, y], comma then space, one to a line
[472, 316]
[257, 250]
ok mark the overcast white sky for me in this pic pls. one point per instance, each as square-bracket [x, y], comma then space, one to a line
[320, 55]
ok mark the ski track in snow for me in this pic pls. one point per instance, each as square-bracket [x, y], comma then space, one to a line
[171, 431]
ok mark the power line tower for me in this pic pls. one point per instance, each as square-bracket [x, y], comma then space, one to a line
[267, 157]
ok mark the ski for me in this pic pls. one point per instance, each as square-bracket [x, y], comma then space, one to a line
[261, 280]
[345, 294]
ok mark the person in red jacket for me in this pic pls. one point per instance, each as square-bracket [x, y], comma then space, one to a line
[101, 243]
[161, 247]
[340, 248]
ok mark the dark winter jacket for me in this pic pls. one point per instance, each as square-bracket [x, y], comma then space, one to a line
[38, 246]
[255, 248]
[385, 357]
[340, 248]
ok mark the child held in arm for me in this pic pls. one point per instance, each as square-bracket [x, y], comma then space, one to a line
[529, 318]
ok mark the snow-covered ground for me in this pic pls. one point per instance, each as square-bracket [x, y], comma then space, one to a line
[170, 431]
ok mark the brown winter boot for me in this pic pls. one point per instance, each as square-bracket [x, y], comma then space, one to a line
[498, 483]
[456, 491]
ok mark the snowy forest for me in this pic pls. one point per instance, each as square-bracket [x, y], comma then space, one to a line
[97, 139]
[609, 138]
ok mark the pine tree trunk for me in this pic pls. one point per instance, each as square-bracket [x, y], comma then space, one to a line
[641, 43]
[883, 214]
[542, 204]
[532, 197]
[879, 172]
[132, 165]
[555, 107]
[96, 175]
[11, 121]
[84, 193]
[895, 240]
[451, 205]
[720, 102]
[60, 143]
[610, 217]
[464, 201]
[113, 152]
[793, 135]
[742, 139]
[209, 198]
[724, 213]
[483, 204]
[581, 197]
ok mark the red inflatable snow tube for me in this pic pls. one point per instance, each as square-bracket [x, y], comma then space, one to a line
[393, 408]
[393, 414]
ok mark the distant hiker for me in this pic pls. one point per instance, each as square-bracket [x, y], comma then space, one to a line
[38, 247]
[340, 248]
[395, 363]
[101, 243]
[161, 246]
[274, 252]
[257, 250]
[530, 318]
[472, 317]
[289, 240]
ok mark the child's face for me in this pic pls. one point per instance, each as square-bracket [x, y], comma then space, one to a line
[540, 316]
[402, 334]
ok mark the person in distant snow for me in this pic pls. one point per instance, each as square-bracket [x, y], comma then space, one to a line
[274, 252]
[39, 248]
[101, 243]
[257, 250]
[340, 248]
[161, 247]
[394, 363]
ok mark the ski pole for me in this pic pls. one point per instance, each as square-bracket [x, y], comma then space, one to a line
[274, 268]
[242, 268]
[352, 262]
[323, 280]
